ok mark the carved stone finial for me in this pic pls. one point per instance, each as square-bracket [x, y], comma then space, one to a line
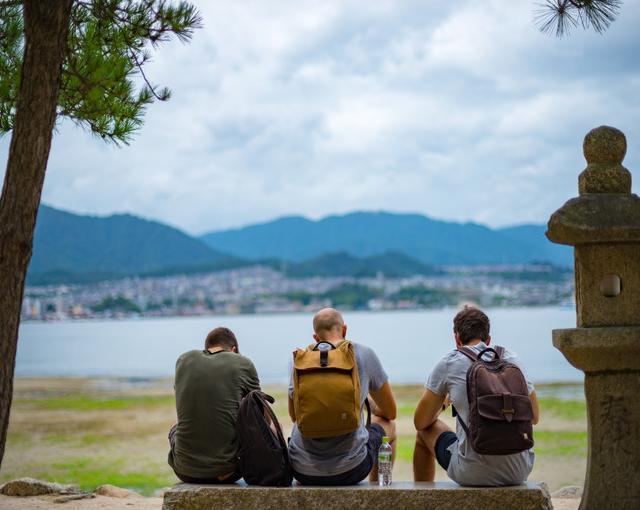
[604, 149]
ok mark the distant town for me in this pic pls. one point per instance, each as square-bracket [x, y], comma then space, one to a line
[263, 289]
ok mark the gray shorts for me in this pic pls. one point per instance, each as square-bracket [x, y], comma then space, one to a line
[358, 473]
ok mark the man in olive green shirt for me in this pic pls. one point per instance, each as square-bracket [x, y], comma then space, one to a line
[209, 385]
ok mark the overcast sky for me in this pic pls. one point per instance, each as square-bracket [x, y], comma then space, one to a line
[457, 110]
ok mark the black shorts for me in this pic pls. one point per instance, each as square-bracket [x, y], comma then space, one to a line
[443, 455]
[358, 473]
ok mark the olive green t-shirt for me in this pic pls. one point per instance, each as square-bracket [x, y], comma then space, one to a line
[208, 389]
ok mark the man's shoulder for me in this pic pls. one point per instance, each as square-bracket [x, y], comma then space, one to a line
[508, 354]
[450, 363]
[190, 354]
[242, 360]
[450, 356]
[363, 351]
[228, 357]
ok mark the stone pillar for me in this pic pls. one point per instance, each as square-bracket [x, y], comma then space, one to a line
[603, 224]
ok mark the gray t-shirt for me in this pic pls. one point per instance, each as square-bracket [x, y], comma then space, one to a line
[468, 467]
[335, 455]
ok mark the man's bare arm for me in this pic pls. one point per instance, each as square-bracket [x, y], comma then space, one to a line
[536, 408]
[428, 409]
[292, 412]
[384, 402]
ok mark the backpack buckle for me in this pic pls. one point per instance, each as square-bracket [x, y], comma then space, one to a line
[507, 407]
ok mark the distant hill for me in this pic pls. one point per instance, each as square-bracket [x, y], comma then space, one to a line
[74, 248]
[392, 265]
[365, 234]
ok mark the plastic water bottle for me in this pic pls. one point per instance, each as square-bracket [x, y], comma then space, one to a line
[385, 463]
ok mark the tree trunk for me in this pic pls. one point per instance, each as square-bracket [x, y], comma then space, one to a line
[46, 26]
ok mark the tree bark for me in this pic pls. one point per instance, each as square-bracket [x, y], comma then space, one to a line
[46, 27]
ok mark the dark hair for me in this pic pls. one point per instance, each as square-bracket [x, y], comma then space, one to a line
[221, 337]
[471, 323]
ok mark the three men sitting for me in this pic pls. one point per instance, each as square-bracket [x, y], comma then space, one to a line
[333, 445]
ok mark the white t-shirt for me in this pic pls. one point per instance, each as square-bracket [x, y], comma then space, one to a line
[467, 467]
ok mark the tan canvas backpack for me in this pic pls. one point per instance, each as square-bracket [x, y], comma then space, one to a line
[326, 390]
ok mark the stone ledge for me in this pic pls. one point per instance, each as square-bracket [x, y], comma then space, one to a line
[401, 495]
[600, 349]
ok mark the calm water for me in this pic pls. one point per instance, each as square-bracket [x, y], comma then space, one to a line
[408, 343]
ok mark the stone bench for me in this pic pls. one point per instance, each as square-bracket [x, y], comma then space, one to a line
[399, 496]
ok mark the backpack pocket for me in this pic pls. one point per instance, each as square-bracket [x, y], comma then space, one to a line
[504, 424]
[505, 407]
[326, 392]
[326, 403]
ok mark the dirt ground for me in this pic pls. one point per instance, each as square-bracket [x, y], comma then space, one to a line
[99, 502]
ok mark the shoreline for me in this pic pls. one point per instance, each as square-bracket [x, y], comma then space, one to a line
[210, 314]
[99, 386]
[140, 381]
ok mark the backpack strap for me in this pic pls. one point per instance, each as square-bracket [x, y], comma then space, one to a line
[324, 353]
[497, 351]
[468, 353]
[368, 406]
[454, 412]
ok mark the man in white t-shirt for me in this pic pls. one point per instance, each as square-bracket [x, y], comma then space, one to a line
[447, 384]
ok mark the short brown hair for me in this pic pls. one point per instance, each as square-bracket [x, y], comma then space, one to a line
[471, 323]
[221, 337]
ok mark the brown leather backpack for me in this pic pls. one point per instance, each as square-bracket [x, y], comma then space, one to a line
[500, 410]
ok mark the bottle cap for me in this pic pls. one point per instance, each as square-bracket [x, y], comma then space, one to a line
[385, 439]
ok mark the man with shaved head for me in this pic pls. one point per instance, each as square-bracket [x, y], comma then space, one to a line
[326, 321]
[346, 459]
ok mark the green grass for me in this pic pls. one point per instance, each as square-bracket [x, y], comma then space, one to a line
[89, 473]
[573, 410]
[560, 443]
[404, 447]
[77, 438]
[91, 403]
[548, 443]
[406, 409]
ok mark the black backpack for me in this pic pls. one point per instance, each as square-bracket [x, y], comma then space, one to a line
[500, 410]
[263, 456]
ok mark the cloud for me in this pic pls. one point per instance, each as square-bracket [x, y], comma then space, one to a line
[461, 111]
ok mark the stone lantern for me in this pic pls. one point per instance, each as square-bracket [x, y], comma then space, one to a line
[603, 224]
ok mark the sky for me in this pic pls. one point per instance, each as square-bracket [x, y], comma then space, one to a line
[461, 111]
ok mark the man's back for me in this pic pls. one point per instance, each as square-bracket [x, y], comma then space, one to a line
[468, 467]
[209, 387]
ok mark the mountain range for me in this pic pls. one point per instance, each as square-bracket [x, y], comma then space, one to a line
[78, 248]
[365, 234]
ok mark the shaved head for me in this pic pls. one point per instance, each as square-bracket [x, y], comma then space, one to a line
[327, 320]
